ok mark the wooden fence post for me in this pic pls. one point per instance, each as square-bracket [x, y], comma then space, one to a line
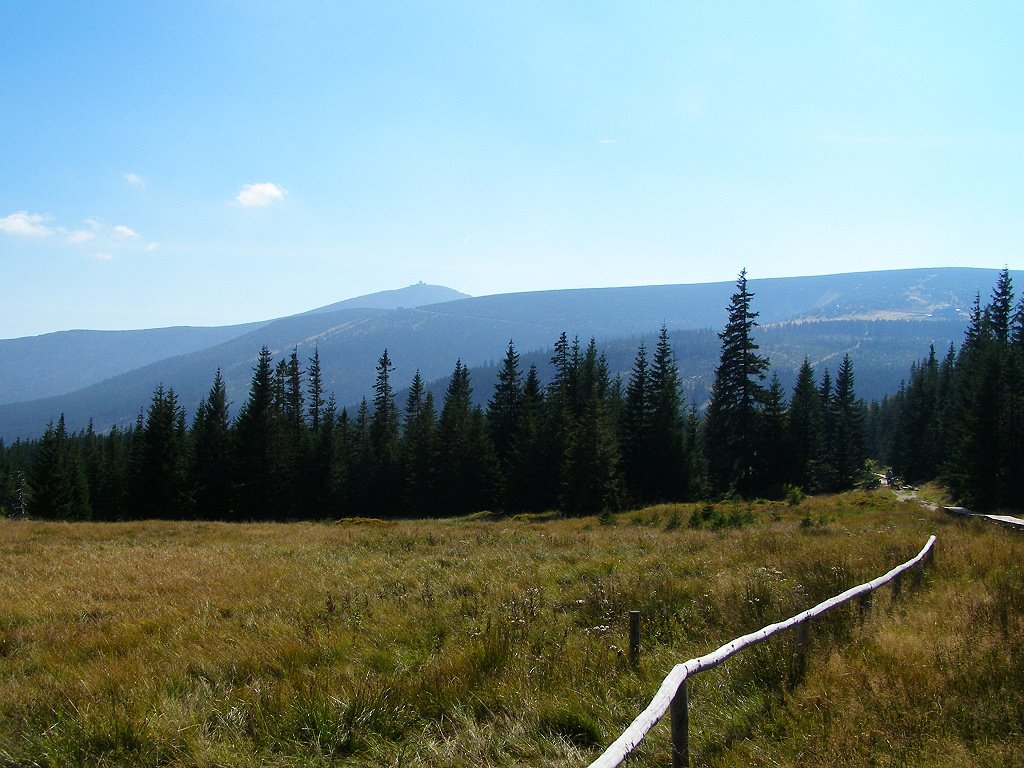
[803, 644]
[918, 574]
[897, 586]
[865, 605]
[634, 638]
[680, 728]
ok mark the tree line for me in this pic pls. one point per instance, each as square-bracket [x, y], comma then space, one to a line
[961, 419]
[585, 442]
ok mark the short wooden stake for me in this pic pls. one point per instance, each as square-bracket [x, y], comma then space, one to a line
[865, 605]
[680, 716]
[897, 587]
[634, 638]
[918, 574]
[803, 644]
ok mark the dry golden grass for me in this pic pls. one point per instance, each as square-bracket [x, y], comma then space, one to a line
[492, 642]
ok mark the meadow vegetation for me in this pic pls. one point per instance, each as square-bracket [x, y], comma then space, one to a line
[501, 641]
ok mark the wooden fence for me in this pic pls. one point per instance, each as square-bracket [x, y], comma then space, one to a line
[672, 694]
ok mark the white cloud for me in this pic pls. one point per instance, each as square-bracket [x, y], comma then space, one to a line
[152, 246]
[126, 232]
[104, 256]
[259, 195]
[134, 180]
[80, 236]
[25, 224]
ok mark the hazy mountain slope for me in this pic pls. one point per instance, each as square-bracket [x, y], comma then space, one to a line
[881, 351]
[57, 363]
[40, 366]
[911, 293]
[477, 330]
[412, 296]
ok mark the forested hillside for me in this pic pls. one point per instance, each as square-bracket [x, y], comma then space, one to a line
[566, 432]
[959, 416]
[584, 442]
[883, 320]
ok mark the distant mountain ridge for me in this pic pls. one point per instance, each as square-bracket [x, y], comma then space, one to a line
[57, 363]
[430, 337]
[417, 295]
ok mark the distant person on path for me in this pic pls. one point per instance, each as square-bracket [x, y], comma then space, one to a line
[890, 478]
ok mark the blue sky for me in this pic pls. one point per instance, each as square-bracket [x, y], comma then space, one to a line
[214, 162]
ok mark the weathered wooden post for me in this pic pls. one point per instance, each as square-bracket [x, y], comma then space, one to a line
[680, 716]
[634, 638]
[864, 601]
[918, 574]
[897, 586]
[803, 644]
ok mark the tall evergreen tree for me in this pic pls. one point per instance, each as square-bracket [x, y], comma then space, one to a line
[257, 467]
[848, 448]
[635, 429]
[503, 407]
[774, 438]
[525, 489]
[386, 473]
[211, 454]
[315, 391]
[420, 450]
[468, 470]
[806, 442]
[999, 313]
[112, 475]
[58, 484]
[322, 499]
[559, 414]
[160, 478]
[589, 471]
[669, 479]
[737, 397]
[358, 468]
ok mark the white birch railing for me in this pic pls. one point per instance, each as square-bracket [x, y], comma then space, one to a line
[672, 694]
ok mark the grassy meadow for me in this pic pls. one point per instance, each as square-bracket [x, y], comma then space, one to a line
[489, 641]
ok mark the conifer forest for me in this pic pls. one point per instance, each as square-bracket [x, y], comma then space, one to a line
[586, 442]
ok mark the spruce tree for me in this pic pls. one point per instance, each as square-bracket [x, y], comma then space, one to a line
[669, 478]
[737, 397]
[848, 447]
[774, 439]
[503, 407]
[211, 454]
[386, 474]
[58, 484]
[468, 470]
[559, 413]
[315, 391]
[805, 444]
[420, 450]
[160, 481]
[358, 469]
[322, 499]
[999, 313]
[635, 430]
[589, 471]
[524, 488]
[258, 475]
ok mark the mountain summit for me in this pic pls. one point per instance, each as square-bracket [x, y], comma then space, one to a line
[417, 295]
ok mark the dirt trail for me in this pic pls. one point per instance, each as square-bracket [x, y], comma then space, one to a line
[1008, 521]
